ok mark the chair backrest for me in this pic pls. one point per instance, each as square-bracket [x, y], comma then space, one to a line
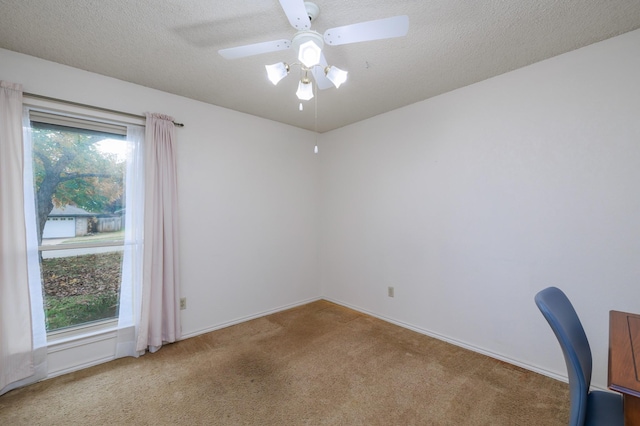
[562, 317]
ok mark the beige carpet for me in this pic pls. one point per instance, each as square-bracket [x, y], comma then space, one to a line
[318, 364]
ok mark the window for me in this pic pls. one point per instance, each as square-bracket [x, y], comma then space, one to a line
[80, 169]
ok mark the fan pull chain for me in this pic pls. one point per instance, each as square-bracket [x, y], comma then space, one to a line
[315, 149]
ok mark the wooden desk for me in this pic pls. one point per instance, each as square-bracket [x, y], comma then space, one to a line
[624, 362]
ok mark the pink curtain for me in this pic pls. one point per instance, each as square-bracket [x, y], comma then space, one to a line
[160, 317]
[16, 347]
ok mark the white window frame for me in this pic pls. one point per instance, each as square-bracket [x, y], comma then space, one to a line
[103, 121]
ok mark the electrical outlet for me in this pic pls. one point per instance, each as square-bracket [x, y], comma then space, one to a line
[391, 291]
[183, 303]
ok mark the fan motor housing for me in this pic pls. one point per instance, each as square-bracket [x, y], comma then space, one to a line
[312, 10]
[304, 36]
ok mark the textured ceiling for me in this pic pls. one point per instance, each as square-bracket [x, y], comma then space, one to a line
[172, 45]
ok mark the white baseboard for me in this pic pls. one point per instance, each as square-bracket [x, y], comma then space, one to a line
[74, 350]
[74, 354]
[455, 342]
[249, 317]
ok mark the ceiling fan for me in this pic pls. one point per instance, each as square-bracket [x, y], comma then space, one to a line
[309, 43]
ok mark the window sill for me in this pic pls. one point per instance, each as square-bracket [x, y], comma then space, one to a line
[81, 332]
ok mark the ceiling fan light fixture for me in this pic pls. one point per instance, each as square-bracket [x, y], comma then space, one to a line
[309, 53]
[277, 72]
[305, 90]
[335, 75]
[308, 45]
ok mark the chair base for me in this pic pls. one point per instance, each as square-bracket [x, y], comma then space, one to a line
[604, 409]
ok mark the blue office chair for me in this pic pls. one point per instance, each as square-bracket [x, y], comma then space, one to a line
[587, 408]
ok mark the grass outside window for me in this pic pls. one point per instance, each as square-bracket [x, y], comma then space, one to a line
[81, 289]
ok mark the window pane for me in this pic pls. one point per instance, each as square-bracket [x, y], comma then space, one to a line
[80, 285]
[79, 176]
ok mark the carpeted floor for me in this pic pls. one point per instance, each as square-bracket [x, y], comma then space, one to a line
[318, 364]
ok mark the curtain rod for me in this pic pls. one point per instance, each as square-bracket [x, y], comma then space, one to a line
[47, 98]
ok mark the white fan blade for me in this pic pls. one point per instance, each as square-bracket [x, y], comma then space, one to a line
[396, 26]
[296, 14]
[254, 49]
[321, 78]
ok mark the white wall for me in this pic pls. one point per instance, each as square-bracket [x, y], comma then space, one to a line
[248, 197]
[468, 204]
[471, 202]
